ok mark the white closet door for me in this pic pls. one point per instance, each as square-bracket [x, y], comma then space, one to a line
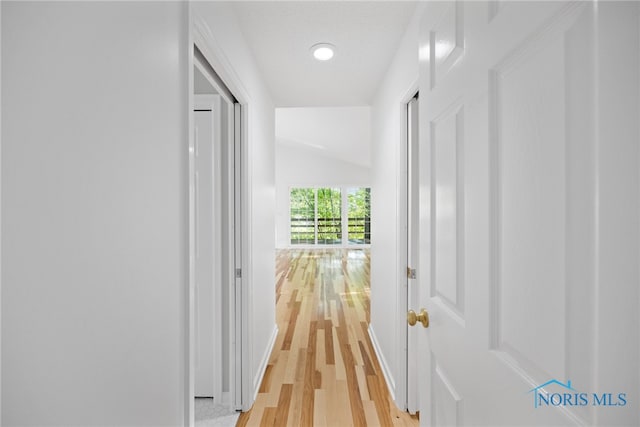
[207, 213]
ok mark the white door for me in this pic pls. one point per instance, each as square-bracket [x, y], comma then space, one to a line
[207, 246]
[529, 213]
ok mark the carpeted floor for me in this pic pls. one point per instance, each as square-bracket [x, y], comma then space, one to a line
[209, 414]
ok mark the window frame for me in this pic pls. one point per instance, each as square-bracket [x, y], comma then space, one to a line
[344, 219]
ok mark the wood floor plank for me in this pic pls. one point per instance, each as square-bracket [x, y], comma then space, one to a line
[295, 408]
[370, 413]
[266, 380]
[355, 347]
[362, 383]
[329, 355]
[308, 394]
[243, 419]
[341, 373]
[366, 357]
[268, 417]
[291, 326]
[331, 396]
[283, 405]
[321, 358]
[273, 395]
[344, 411]
[355, 400]
[380, 397]
[319, 409]
[334, 313]
[290, 367]
[302, 337]
[300, 367]
[323, 371]
[259, 405]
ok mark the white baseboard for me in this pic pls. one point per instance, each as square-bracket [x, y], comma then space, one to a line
[257, 380]
[388, 378]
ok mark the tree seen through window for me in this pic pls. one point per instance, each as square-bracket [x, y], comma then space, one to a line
[316, 216]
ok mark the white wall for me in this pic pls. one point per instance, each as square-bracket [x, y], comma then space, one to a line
[94, 213]
[259, 267]
[388, 123]
[299, 166]
[340, 132]
[0, 217]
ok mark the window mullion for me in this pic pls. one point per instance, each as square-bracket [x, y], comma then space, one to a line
[315, 216]
[345, 216]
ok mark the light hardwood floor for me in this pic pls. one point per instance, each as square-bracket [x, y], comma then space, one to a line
[323, 370]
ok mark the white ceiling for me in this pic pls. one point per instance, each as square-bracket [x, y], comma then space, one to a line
[365, 33]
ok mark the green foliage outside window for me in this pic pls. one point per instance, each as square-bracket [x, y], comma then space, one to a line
[316, 215]
[303, 213]
[329, 216]
[359, 215]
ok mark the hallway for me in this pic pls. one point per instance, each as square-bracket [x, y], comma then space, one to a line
[323, 370]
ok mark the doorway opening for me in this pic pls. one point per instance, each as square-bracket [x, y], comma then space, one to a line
[215, 315]
[324, 368]
[411, 187]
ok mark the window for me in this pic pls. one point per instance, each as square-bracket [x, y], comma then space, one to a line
[303, 215]
[329, 216]
[325, 215]
[359, 218]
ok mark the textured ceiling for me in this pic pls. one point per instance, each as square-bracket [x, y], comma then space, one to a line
[366, 34]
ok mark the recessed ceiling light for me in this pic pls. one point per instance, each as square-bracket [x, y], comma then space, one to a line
[323, 51]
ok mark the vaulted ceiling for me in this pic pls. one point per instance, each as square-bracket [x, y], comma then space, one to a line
[343, 133]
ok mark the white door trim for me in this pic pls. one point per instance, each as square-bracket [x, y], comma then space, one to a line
[400, 393]
[201, 36]
[412, 250]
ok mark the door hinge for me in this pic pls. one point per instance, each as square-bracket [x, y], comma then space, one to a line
[238, 273]
[411, 273]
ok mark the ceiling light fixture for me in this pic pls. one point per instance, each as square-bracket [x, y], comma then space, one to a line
[323, 51]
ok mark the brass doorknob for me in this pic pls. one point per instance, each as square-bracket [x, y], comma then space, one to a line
[422, 317]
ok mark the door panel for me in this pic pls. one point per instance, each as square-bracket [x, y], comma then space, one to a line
[204, 288]
[531, 211]
[447, 142]
[207, 238]
[446, 39]
[448, 408]
[511, 220]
